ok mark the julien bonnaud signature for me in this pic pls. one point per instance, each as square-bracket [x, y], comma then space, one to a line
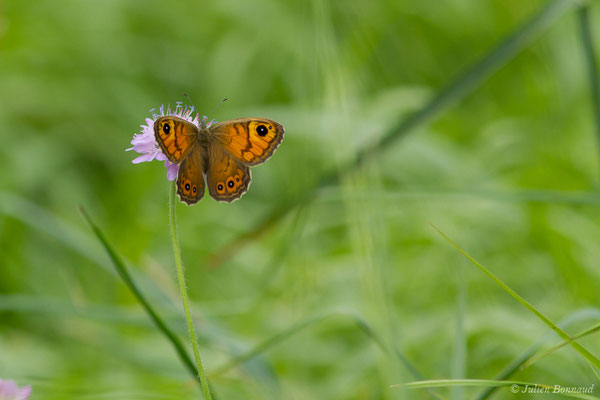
[558, 389]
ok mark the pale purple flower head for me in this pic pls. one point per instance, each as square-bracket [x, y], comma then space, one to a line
[10, 391]
[145, 144]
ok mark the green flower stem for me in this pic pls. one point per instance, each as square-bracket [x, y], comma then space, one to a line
[184, 295]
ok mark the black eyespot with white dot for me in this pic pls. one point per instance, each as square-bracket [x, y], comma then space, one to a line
[261, 130]
[194, 189]
[187, 186]
[230, 183]
[220, 187]
[166, 128]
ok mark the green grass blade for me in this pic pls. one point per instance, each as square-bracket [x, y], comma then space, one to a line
[515, 386]
[459, 353]
[597, 373]
[462, 382]
[521, 196]
[454, 91]
[595, 328]
[377, 340]
[516, 364]
[509, 370]
[590, 58]
[299, 327]
[69, 236]
[126, 277]
[396, 352]
[61, 308]
[579, 348]
[267, 344]
[30, 214]
[282, 249]
[477, 73]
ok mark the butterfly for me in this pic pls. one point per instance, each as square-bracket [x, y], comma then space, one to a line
[222, 153]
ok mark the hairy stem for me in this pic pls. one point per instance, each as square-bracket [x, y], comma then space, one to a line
[184, 294]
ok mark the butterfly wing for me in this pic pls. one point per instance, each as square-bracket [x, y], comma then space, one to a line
[175, 136]
[190, 176]
[227, 178]
[250, 141]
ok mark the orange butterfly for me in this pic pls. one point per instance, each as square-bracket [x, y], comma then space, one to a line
[221, 152]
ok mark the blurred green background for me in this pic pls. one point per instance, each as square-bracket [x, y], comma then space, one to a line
[509, 171]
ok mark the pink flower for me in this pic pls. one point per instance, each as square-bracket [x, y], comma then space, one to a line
[10, 391]
[145, 144]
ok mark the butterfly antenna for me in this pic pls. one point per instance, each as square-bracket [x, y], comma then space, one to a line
[217, 106]
[189, 99]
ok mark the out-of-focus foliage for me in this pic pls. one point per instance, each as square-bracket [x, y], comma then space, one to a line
[511, 173]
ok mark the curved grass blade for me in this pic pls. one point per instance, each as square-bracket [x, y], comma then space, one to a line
[521, 196]
[373, 336]
[516, 364]
[158, 321]
[300, 326]
[579, 348]
[267, 344]
[463, 382]
[515, 386]
[282, 249]
[32, 215]
[595, 328]
[396, 352]
[454, 91]
[510, 370]
[55, 307]
[71, 237]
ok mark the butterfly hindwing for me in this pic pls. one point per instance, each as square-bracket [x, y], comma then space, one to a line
[175, 136]
[227, 178]
[250, 141]
[190, 177]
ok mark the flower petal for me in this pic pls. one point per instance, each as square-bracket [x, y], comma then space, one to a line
[143, 158]
[144, 142]
[24, 393]
[8, 389]
[172, 170]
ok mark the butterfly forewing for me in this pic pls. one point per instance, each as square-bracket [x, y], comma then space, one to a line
[250, 141]
[175, 136]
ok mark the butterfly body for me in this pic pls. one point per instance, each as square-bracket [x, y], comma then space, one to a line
[218, 156]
